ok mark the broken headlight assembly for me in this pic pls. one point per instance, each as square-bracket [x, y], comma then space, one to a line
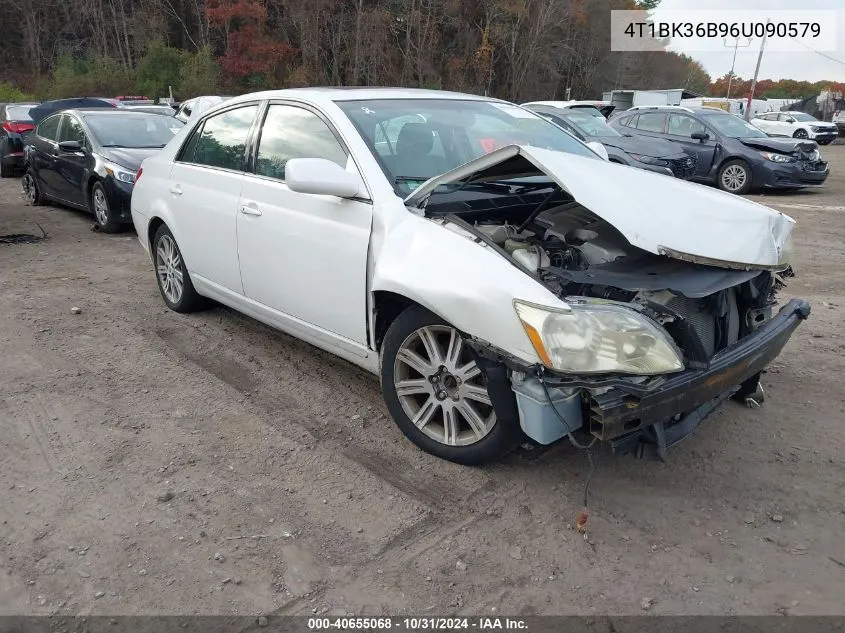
[598, 338]
[650, 160]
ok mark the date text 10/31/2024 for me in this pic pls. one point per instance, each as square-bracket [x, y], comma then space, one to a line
[417, 624]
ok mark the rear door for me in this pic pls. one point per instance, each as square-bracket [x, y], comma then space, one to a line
[44, 150]
[680, 129]
[203, 195]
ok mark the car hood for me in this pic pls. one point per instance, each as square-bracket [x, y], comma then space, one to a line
[664, 216]
[128, 157]
[781, 145]
[655, 147]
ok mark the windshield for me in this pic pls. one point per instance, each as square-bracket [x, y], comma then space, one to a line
[417, 139]
[802, 116]
[19, 112]
[135, 130]
[588, 109]
[589, 125]
[733, 126]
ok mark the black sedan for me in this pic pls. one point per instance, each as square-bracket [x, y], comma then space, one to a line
[732, 154]
[654, 155]
[88, 159]
[15, 125]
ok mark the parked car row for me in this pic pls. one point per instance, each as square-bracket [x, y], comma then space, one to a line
[500, 277]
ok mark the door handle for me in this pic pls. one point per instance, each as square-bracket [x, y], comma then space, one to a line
[250, 209]
[176, 190]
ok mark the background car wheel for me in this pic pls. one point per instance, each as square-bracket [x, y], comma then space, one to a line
[172, 276]
[735, 177]
[106, 219]
[30, 188]
[827, 142]
[437, 394]
[800, 134]
[6, 171]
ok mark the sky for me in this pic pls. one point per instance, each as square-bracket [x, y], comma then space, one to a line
[803, 65]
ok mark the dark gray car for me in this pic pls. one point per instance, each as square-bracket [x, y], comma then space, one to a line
[655, 155]
[732, 154]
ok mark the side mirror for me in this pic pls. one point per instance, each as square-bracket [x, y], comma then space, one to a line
[599, 149]
[700, 136]
[321, 177]
[790, 120]
[70, 147]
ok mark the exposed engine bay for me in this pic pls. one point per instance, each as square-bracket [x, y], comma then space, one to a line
[577, 254]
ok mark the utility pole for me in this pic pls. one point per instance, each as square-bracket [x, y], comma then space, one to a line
[756, 72]
[733, 63]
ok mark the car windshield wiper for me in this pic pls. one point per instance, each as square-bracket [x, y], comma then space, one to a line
[400, 179]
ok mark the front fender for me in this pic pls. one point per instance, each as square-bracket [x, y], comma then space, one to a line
[467, 283]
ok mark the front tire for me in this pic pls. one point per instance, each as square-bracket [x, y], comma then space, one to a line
[800, 134]
[735, 177]
[436, 393]
[827, 142]
[106, 219]
[31, 191]
[172, 276]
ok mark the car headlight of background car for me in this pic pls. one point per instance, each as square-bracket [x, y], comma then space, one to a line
[119, 173]
[650, 160]
[595, 338]
[777, 158]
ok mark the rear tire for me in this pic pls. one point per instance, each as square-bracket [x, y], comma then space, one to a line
[99, 202]
[31, 190]
[174, 281]
[436, 393]
[734, 177]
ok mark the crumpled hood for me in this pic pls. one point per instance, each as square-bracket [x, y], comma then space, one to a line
[664, 216]
[781, 145]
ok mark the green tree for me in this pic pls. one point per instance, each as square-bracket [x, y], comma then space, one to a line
[159, 69]
[10, 94]
[198, 75]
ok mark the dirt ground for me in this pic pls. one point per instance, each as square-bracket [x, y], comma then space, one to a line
[160, 463]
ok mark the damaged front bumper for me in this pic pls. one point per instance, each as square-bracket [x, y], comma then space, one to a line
[646, 418]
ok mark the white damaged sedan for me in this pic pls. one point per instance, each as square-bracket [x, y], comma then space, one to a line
[499, 276]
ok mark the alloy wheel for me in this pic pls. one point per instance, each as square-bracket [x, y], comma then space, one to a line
[441, 388]
[29, 188]
[101, 206]
[734, 177]
[169, 269]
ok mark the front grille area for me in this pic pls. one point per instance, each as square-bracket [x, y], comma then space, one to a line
[702, 320]
[714, 319]
[683, 167]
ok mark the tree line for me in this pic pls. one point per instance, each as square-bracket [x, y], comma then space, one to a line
[514, 49]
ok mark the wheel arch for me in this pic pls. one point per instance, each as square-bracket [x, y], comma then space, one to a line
[152, 229]
[386, 307]
[93, 179]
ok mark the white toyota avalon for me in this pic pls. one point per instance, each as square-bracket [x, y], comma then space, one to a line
[500, 277]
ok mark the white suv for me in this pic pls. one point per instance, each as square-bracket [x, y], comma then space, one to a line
[796, 125]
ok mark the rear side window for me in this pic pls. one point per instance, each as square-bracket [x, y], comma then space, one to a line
[49, 128]
[652, 122]
[291, 132]
[222, 140]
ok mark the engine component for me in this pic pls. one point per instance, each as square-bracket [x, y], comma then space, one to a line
[533, 258]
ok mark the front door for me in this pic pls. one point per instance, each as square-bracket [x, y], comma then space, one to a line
[680, 130]
[204, 190]
[71, 166]
[304, 255]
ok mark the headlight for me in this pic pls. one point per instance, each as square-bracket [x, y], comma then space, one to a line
[777, 158]
[648, 160]
[596, 338]
[119, 173]
[815, 128]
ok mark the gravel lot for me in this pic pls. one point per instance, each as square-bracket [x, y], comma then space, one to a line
[160, 463]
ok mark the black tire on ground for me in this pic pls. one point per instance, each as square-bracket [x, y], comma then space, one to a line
[504, 434]
[169, 268]
[827, 142]
[734, 177]
[800, 134]
[31, 190]
[99, 205]
[6, 171]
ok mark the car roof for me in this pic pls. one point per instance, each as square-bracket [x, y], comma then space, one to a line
[83, 112]
[331, 94]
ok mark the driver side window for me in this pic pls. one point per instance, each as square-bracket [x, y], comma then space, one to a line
[72, 131]
[683, 125]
